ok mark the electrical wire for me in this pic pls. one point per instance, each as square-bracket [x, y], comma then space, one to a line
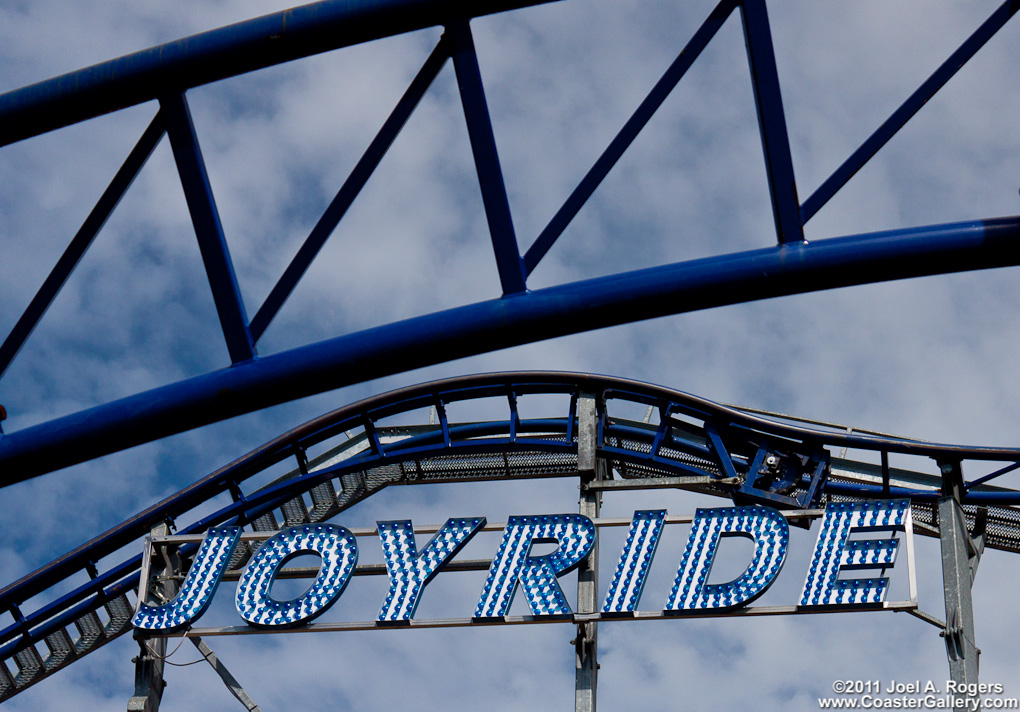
[166, 658]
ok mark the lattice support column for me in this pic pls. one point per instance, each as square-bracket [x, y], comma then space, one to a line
[158, 582]
[590, 469]
[961, 553]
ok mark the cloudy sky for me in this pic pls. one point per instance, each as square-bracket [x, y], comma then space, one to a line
[930, 358]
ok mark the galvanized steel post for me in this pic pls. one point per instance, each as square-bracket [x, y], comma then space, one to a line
[151, 660]
[590, 469]
[960, 556]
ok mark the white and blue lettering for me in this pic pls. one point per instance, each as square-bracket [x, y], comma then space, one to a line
[411, 571]
[835, 551]
[338, 550]
[537, 575]
[638, 551]
[198, 588]
[840, 548]
[771, 535]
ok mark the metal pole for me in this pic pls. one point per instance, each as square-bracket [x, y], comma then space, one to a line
[229, 680]
[590, 469]
[960, 556]
[149, 665]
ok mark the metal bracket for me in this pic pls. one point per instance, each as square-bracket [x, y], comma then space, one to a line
[585, 645]
[232, 684]
[976, 541]
[956, 638]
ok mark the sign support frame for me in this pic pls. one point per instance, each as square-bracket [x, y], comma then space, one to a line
[152, 655]
[590, 469]
[961, 553]
[151, 660]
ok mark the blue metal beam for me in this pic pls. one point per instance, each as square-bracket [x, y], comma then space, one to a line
[793, 268]
[775, 142]
[998, 473]
[350, 189]
[627, 134]
[483, 146]
[206, 218]
[80, 242]
[722, 453]
[910, 107]
[225, 52]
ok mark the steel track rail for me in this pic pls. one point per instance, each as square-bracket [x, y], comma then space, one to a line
[221, 53]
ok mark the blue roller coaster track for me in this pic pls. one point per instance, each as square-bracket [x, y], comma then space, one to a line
[516, 315]
[695, 444]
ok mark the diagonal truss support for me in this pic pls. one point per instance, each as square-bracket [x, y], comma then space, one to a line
[483, 146]
[910, 107]
[616, 148]
[81, 242]
[229, 680]
[772, 122]
[350, 189]
[206, 218]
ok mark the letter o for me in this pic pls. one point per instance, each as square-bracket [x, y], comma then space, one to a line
[338, 550]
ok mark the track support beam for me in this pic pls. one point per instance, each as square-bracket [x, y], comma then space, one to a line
[206, 218]
[961, 553]
[483, 147]
[775, 140]
[151, 660]
[590, 469]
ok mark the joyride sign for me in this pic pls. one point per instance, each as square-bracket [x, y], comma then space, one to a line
[847, 541]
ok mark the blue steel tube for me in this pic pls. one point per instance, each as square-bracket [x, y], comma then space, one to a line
[221, 53]
[792, 268]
